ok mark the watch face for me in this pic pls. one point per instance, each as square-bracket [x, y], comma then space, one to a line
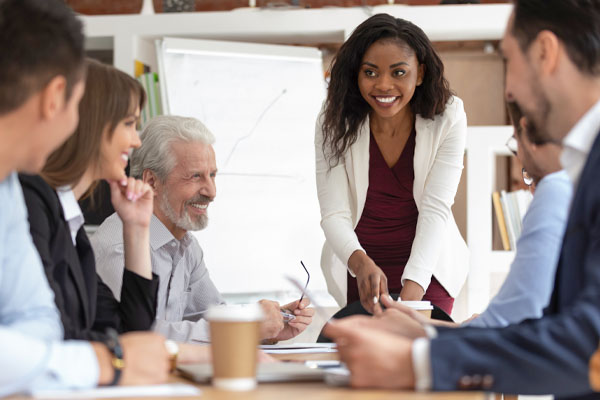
[172, 348]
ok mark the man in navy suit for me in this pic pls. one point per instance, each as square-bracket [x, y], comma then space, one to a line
[552, 53]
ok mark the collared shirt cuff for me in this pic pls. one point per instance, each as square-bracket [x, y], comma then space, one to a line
[74, 364]
[430, 331]
[421, 364]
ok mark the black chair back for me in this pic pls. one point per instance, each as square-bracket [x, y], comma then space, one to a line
[355, 308]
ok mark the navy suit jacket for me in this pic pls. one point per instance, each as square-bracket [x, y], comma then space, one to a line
[549, 355]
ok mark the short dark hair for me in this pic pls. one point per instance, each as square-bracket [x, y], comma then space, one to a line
[345, 108]
[40, 39]
[575, 22]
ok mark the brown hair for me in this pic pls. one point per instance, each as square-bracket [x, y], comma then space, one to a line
[110, 95]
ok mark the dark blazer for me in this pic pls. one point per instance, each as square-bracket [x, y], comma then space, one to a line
[87, 306]
[549, 355]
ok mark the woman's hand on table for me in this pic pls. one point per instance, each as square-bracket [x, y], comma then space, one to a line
[370, 279]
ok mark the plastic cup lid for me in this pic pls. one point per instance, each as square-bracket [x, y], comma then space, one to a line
[418, 305]
[235, 313]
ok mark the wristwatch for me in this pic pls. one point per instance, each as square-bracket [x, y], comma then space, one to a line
[173, 350]
[114, 346]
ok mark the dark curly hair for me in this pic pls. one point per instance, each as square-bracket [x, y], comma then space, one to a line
[345, 108]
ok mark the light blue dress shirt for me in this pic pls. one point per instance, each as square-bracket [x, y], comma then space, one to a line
[529, 283]
[32, 353]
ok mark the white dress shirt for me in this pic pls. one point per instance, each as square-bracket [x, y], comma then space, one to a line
[185, 290]
[576, 148]
[578, 143]
[71, 210]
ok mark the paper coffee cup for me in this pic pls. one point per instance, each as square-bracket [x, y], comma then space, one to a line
[424, 307]
[235, 335]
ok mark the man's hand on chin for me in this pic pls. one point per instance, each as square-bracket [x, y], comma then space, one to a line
[375, 358]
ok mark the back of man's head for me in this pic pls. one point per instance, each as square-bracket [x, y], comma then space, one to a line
[39, 40]
[575, 22]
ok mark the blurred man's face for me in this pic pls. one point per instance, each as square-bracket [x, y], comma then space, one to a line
[55, 127]
[523, 85]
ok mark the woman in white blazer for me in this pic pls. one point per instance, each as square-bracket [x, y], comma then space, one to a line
[389, 154]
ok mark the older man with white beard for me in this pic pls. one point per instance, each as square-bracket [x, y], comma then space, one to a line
[178, 161]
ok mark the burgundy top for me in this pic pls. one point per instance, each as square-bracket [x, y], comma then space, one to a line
[388, 223]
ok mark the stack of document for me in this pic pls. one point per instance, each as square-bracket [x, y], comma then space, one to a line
[299, 348]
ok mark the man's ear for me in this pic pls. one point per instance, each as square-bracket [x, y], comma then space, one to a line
[150, 178]
[523, 124]
[545, 52]
[53, 97]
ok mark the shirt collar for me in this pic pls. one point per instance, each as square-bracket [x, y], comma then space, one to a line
[160, 235]
[579, 141]
[71, 209]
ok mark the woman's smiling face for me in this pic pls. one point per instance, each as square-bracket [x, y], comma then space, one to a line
[114, 151]
[388, 76]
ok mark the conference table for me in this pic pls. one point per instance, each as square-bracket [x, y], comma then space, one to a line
[322, 391]
[309, 390]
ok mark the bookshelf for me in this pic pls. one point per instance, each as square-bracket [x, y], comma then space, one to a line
[484, 144]
[131, 37]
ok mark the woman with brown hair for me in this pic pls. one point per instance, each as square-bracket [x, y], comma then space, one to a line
[389, 153]
[99, 149]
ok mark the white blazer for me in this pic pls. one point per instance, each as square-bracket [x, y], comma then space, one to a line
[438, 248]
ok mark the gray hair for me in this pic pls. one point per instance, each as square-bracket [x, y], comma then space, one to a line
[158, 135]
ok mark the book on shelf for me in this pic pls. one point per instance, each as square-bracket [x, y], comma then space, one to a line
[153, 106]
[510, 208]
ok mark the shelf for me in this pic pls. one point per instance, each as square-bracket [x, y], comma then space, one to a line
[287, 26]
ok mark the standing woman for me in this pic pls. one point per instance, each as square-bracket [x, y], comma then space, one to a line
[389, 145]
[99, 149]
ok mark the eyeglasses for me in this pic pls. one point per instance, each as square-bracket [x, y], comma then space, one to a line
[527, 179]
[307, 280]
[288, 314]
[513, 146]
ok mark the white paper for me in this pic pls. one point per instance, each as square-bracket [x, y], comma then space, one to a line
[299, 348]
[169, 390]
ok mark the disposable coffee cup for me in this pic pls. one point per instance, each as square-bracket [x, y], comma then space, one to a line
[235, 335]
[424, 307]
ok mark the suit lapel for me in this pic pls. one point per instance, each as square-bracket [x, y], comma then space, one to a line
[358, 169]
[90, 278]
[423, 153]
[73, 262]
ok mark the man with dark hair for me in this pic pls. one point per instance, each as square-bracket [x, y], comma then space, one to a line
[33, 63]
[552, 53]
[39, 97]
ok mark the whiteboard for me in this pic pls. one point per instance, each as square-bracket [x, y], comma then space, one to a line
[261, 103]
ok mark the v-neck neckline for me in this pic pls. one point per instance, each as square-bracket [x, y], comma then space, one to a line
[382, 158]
